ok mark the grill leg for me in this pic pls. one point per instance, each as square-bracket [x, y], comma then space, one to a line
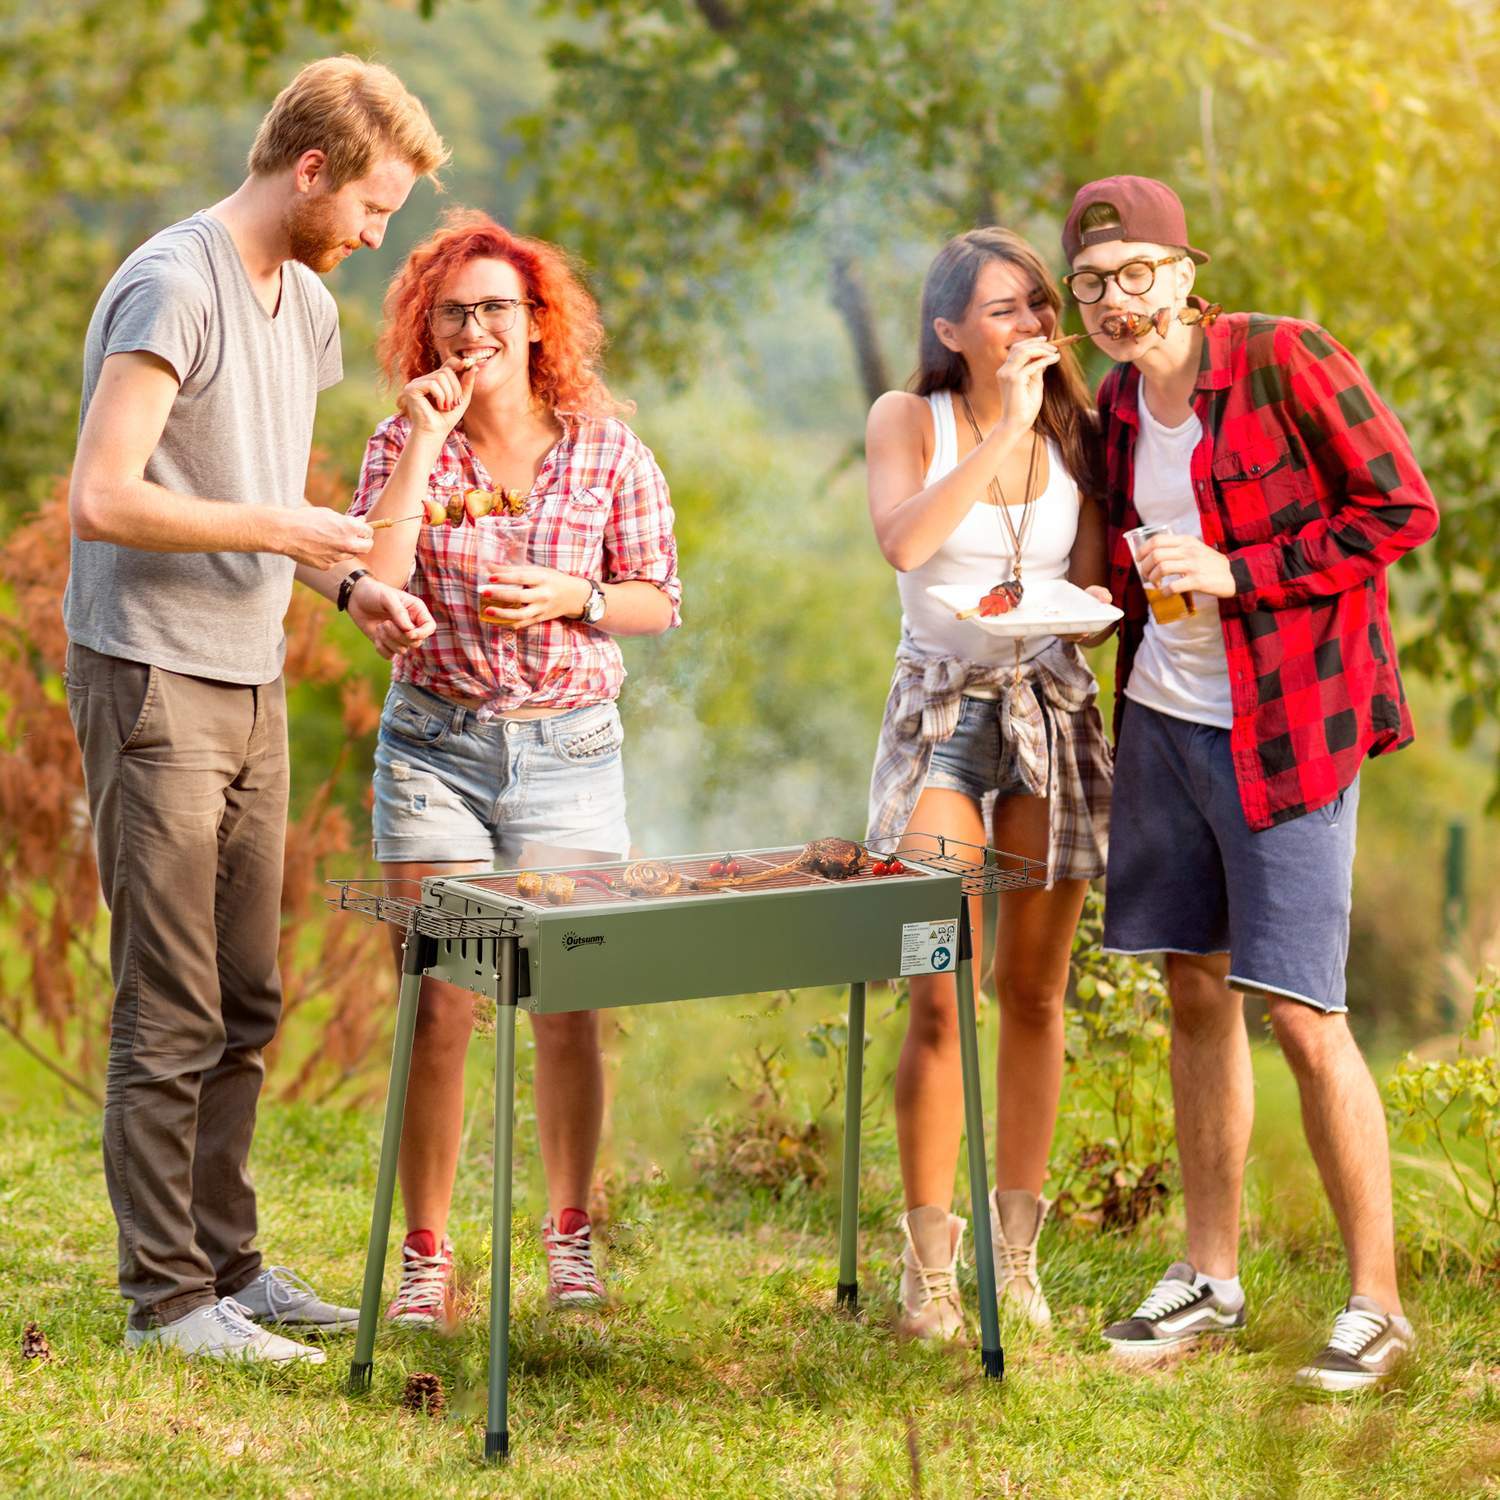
[497, 1429]
[848, 1287]
[984, 1259]
[989, 905]
[415, 957]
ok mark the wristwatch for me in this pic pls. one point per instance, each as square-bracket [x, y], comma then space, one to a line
[346, 587]
[593, 611]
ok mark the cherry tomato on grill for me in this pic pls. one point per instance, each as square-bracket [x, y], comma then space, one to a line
[732, 868]
[880, 867]
[716, 869]
[895, 868]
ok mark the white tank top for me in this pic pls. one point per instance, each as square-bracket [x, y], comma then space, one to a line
[977, 552]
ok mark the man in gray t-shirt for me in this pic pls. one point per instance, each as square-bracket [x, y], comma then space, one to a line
[202, 366]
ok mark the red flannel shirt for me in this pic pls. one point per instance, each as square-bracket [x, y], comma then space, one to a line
[1307, 483]
[599, 508]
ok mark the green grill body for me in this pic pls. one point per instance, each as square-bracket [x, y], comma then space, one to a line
[588, 956]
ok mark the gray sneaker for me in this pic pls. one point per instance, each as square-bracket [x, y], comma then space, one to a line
[1366, 1345]
[222, 1331]
[1176, 1313]
[282, 1299]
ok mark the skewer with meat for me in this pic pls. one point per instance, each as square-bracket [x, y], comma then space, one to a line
[1000, 600]
[1134, 325]
[833, 859]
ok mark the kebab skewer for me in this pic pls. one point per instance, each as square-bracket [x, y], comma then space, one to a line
[833, 859]
[1134, 325]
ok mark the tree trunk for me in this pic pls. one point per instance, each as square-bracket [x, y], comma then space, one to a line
[853, 306]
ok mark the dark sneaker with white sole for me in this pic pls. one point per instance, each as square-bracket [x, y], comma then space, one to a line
[1176, 1313]
[280, 1298]
[1366, 1345]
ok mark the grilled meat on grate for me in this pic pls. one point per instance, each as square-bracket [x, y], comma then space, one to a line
[836, 859]
[833, 859]
[650, 877]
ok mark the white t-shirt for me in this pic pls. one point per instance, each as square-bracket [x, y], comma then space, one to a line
[1180, 669]
[978, 551]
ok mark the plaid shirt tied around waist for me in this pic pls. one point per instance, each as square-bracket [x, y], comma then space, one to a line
[599, 508]
[1306, 481]
[1072, 771]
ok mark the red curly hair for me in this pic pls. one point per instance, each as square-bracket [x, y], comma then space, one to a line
[564, 360]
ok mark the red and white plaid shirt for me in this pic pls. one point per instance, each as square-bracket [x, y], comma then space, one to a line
[1306, 482]
[599, 509]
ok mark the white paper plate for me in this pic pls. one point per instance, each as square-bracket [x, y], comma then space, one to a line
[1051, 606]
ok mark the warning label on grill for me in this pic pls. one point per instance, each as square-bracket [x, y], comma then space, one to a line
[929, 947]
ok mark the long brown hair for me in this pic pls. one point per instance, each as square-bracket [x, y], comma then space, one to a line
[1067, 415]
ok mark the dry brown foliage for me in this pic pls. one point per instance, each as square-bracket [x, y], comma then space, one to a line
[55, 987]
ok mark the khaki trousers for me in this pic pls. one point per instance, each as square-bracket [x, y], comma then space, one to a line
[187, 787]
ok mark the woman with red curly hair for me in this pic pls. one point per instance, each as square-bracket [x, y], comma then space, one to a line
[538, 528]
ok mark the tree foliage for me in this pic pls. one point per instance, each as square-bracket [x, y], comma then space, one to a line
[1338, 157]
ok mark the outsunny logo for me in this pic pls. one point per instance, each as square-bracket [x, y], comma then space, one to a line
[573, 940]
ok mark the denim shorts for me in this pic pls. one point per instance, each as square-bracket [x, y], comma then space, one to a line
[1188, 875]
[978, 758]
[452, 789]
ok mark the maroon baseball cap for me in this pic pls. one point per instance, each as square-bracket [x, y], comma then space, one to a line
[1147, 210]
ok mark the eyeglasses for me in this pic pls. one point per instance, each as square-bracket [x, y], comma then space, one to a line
[1134, 278]
[494, 315]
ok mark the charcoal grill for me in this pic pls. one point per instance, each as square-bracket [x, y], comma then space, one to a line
[608, 948]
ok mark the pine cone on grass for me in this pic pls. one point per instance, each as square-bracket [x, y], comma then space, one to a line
[34, 1344]
[424, 1393]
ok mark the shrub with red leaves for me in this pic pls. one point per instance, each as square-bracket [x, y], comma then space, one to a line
[55, 1003]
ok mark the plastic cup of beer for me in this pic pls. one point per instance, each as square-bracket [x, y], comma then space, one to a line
[506, 545]
[1165, 605]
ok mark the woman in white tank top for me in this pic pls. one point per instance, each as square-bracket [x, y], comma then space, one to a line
[980, 743]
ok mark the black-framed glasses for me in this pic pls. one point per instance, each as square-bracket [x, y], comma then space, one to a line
[493, 315]
[1134, 278]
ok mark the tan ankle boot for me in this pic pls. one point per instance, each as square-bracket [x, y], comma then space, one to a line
[1016, 1218]
[930, 1308]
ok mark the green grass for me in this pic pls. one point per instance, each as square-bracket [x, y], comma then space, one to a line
[721, 1368]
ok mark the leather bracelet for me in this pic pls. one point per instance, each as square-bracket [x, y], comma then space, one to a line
[346, 586]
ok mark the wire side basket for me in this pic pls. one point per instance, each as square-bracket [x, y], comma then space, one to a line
[400, 903]
[982, 869]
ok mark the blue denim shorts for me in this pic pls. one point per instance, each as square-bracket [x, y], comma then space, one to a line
[1188, 875]
[451, 789]
[978, 758]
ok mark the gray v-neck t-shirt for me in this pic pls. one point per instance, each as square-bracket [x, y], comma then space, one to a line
[239, 432]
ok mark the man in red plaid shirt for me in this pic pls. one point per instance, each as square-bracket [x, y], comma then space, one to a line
[1248, 695]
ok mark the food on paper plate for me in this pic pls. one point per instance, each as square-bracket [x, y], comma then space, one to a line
[1000, 600]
